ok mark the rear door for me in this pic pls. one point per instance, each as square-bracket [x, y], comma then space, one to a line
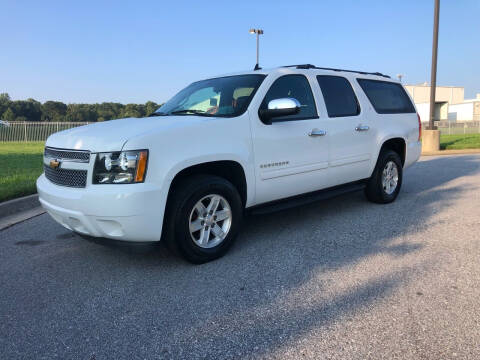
[351, 130]
[289, 159]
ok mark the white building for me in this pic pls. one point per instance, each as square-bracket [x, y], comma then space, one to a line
[450, 103]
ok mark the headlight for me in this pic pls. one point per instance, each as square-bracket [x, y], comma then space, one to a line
[124, 167]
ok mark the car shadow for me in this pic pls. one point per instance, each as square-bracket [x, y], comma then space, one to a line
[280, 262]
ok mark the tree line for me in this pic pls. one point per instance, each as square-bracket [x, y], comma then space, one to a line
[56, 111]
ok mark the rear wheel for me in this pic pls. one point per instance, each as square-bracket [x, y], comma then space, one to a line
[385, 183]
[205, 215]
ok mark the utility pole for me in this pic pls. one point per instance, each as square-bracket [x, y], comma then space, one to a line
[433, 82]
[258, 32]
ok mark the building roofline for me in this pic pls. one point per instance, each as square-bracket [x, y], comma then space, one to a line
[438, 86]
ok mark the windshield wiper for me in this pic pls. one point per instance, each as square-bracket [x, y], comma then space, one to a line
[159, 113]
[191, 111]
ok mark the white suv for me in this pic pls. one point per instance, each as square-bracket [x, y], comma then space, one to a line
[259, 140]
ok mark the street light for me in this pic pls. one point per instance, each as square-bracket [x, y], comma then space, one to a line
[258, 32]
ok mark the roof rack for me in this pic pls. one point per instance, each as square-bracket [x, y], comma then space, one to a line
[310, 66]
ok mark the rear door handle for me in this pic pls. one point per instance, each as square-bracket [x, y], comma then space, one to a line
[316, 132]
[362, 128]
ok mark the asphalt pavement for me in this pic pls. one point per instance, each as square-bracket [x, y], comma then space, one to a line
[339, 279]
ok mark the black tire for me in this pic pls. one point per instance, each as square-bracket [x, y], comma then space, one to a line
[182, 200]
[375, 191]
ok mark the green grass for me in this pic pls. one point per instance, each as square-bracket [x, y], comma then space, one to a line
[458, 142]
[20, 166]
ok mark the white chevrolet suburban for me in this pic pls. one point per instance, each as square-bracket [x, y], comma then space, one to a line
[259, 140]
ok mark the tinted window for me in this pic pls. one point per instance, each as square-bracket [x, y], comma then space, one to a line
[340, 99]
[293, 86]
[387, 97]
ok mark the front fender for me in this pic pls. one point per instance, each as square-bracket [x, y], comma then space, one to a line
[196, 142]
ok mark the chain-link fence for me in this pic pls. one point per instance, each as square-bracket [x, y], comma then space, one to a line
[456, 127]
[33, 131]
[40, 131]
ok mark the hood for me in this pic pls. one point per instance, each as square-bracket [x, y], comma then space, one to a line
[113, 134]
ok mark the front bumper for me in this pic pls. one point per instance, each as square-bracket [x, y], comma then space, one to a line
[132, 212]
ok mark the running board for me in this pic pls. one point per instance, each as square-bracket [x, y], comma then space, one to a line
[303, 199]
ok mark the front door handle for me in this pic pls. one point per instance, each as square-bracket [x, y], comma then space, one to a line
[316, 132]
[362, 128]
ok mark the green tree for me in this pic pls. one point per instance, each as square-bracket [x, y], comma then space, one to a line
[4, 102]
[4, 98]
[150, 107]
[54, 111]
[8, 115]
[109, 111]
[81, 113]
[31, 109]
[133, 110]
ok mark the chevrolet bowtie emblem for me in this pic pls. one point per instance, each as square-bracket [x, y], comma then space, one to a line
[54, 164]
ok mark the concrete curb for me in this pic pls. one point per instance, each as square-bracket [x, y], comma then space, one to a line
[7, 221]
[14, 206]
[452, 152]
[17, 210]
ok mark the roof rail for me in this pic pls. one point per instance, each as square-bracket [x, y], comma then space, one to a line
[310, 66]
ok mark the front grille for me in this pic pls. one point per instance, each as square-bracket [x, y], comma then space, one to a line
[67, 155]
[66, 177]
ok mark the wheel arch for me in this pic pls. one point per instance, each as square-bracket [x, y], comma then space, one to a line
[230, 170]
[397, 144]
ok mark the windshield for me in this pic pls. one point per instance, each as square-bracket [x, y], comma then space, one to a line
[225, 97]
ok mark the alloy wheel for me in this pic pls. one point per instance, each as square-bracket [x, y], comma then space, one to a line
[210, 221]
[390, 178]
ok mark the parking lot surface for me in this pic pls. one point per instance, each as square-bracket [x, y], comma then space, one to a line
[339, 279]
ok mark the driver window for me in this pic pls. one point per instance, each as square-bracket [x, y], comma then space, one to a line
[293, 86]
[241, 96]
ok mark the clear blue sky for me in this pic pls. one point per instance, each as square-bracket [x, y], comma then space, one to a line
[134, 51]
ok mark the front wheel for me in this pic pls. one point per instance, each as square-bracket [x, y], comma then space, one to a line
[205, 217]
[385, 183]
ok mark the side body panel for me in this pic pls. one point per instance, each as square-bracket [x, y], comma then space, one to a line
[351, 148]
[287, 161]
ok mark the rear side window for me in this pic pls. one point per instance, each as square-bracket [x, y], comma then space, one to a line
[387, 97]
[340, 99]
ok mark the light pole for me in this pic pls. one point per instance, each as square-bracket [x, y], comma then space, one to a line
[258, 32]
[433, 81]
[431, 136]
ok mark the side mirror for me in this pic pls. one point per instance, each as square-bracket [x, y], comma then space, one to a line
[213, 102]
[279, 108]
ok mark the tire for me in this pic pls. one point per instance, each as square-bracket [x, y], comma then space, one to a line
[186, 209]
[378, 192]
